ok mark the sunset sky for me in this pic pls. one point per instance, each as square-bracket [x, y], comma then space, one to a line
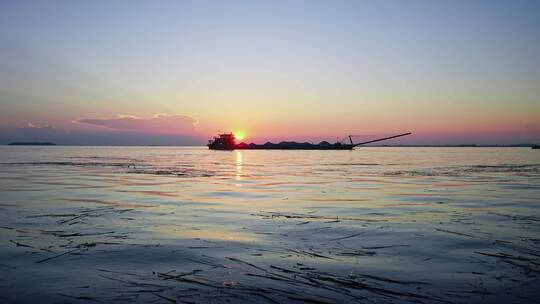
[177, 72]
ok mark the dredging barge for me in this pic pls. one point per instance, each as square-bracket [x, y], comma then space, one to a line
[227, 141]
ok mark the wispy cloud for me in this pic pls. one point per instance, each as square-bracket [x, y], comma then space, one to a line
[33, 126]
[165, 124]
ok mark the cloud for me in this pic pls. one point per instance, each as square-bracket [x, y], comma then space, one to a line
[33, 126]
[164, 124]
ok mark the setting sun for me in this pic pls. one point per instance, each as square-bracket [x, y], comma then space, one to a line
[239, 135]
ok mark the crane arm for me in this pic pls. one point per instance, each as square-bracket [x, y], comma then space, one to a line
[381, 139]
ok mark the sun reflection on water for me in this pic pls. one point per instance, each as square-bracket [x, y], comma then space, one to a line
[239, 161]
[204, 233]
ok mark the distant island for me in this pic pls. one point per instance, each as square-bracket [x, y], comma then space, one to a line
[31, 143]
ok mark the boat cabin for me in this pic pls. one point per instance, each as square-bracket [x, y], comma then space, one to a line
[225, 141]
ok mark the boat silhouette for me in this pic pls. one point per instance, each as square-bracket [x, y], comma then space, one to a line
[227, 141]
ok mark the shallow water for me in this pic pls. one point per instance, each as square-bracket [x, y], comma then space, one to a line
[189, 225]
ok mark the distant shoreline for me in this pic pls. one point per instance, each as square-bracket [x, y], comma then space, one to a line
[461, 146]
[29, 143]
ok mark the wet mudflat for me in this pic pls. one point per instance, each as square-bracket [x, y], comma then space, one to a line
[188, 225]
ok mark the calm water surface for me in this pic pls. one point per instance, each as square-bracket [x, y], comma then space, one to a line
[189, 225]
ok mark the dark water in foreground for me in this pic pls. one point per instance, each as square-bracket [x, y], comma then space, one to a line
[188, 225]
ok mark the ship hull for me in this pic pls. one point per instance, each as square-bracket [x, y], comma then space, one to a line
[284, 147]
